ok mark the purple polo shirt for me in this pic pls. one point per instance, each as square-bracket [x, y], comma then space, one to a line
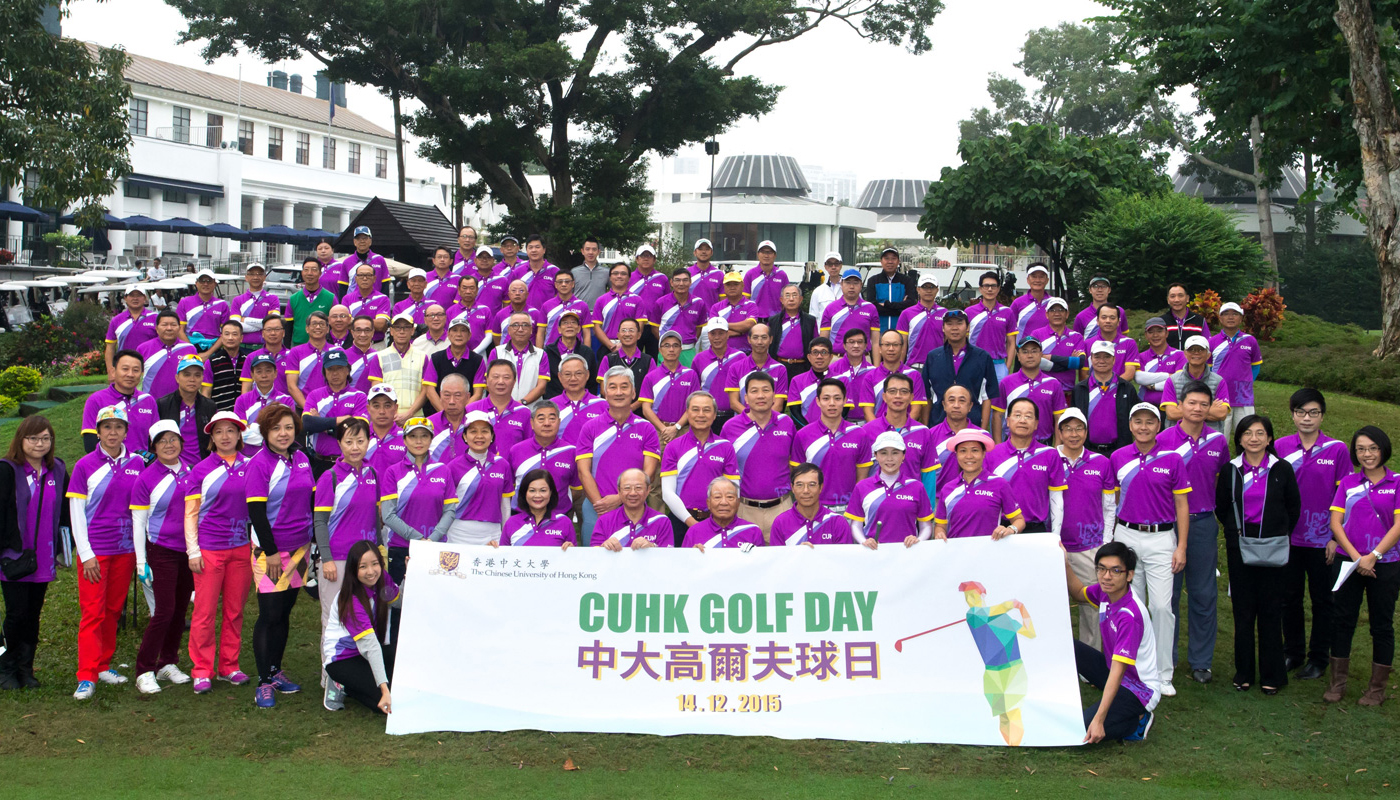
[668, 314]
[127, 333]
[141, 414]
[442, 290]
[654, 526]
[553, 310]
[158, 491]
[254, 306]
[521, 530]
[333, 277]
[203, 318]
[802, 391]
[39, 511]
[742, 311]
[1203, 457]
[558, 458]
[574, 414]
[765, 289]
[1103, 411]
[282, 358]
[612, 449]
[430, 373]
[352, 262]
[189, 434]
[707, 285]
[540, 285]
[893, 510]
[374, 305]
[107, 484]
[500, 322]
[975, 508]
[1254, 486]
[364, 368]
[490, 292]
[696, 465]
[1147, 483]
[418, 495]
[1319, 471]
[1067, 344]
[667, 391]
[352, 498]
[610, 310]
[1171, 360]
[1088, 479]
[323, 402]
[479, 487]
[222, 489]
[764, 455]
[1033, 474]
[1043, 390]
[651, 288]
[1123, 626]
[923, 329]
[1087, 321]
[869, 389]
[989, 327]
[945, 458]
[158, 380]
[840, 317]
[828, 527]
[447, 440]
[511, 424]
[736, 533]
[709, 368]
[1125, 351]
[839, 453]
[1222, 391]
[387, 450]
[1368, 511]
[250, 404]
[303, 367]
[744, 366]
[1028, 313]
[791, 344]
[288, 486]
[1235, 357]
[918, 444]
[415, 307]
[338, 642]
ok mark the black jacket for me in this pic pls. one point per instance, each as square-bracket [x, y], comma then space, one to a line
[204, 411]
[1193, 325]
[891, 294]
[12, 536]
[977, 374]
[1282, 503]
[775, 326]
[1124, 399]
[467, 366]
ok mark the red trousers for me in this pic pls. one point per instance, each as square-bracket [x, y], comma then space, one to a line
[100, 604]
[228, 574]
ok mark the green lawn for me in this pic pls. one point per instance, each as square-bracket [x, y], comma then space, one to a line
[1208, 741]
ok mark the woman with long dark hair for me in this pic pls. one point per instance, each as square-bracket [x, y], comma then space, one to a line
[1257, 503]
[353, 650]
[32, 514]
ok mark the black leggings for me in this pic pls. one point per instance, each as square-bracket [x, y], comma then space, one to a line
[23, 603]
[1380, 593]
[355, 675]
[1123, 716]
[271, 630]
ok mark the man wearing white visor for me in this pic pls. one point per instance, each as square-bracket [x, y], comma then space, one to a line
[1236, 356]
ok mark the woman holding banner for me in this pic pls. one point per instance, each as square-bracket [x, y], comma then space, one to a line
[352, 650]
[538, 523]
[975, 503]
[482, 484]
[893, 507]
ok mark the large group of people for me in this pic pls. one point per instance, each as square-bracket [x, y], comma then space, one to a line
[280, 445]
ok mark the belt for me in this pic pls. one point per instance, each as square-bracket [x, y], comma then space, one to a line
[1165, 526]
[750, 502]
[791, 361]
[700, 514]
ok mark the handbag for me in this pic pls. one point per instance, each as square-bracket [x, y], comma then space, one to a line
[27, 562]
[1261, 551]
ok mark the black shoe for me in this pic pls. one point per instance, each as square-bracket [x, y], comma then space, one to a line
[26, 667]
[1201, 676]
[1292, 662]
[1311, 671]
[9, 681]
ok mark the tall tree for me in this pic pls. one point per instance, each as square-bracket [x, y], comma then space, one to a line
[583, 90]
[1030, 185]
[62, 112]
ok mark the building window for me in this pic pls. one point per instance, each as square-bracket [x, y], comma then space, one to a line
[381, 162]
[213, 130]
[136, 117]
[354, 157]
[206, 200]
[136, 192]
[327, 152]
[274, 143]
[847, 245]
[180, 125]
[173, 196]
[303, 148]
[245, 137]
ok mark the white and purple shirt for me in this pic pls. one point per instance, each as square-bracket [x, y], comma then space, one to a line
[419, 495]
[1171, 360]
[447, 439]
[919, 456]
[738, 532]
[650, 288]
[203, 317]
[839, 453]
[574, 414]
[443, 289]
[802, 393]
[734, 313]
[613, 448]
[254, 306]
[1123, 626]
[976, 507]
[352, 262]
[128, 333]
[1029, 313]
[790, 343]
[945, 458]
[923, 328]
[737, 376]
[374, 305]
[1319, 471]
[303, 366]
[790, 528]
[107, 484]
[1235, 358]
[554, 309]
[1087, 480]
[352, 498]
[558, 458]
[161, 362]
[765, 289]
[338, 643]
[364, 368]
[417, 308]
[539, 284]
[868, 390]
[385, 451]
[1033, 474]
[840, 317]
[523, 530]
[654, 526]
[501, 322]
[1368, 511]
[611, 309]
[763, 453]
[1103, 411]
[1046, 392]
[158, 490]
[669, 314]
[696, 465]
[1087, 321]
[988, 328]
[890, 510]
[709, 368]
[1254, 488]
[221, 485]
[667, 390]
[1148, 483]
[250, 404]
[707, 285]
[288, 486]
[323, 402]
[1125, 351]
[281, 357]
[1203, 457]
[1067, 344]
[479, 487]
[141, 414]
[1222, 392]
[511, 424]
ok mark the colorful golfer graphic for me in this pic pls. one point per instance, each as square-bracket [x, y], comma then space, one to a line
[994, 631]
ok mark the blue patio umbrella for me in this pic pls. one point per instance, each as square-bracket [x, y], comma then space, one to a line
[21, 213]
[109, 221]
[314, 235]
[274, 234]
[141, 222]
[223, 230]
[184, 226]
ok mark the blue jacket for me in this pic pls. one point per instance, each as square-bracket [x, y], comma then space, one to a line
[978, 375]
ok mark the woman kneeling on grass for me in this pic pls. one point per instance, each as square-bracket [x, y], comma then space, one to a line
[353, 651]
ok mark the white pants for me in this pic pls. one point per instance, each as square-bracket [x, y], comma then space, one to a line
[470, 531]
[1232, 419]
[1083, 566]
[1152, 582]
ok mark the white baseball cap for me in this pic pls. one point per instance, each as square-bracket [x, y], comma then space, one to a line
[383, 390]
[406, 316]
[646, 248]
[462, 319]
[1197, 341]
[705, 242]
[477, 416]
[1071, 413]
[204, 273]
[165, 426]
[418, 424]
[1037, 268]
[1056, 301]
[483, 250]
[768, 244]
[137, 288]
[416, 273]
[1235, 307]
[1145, 407]
[887, 439]
[1103, 347]
[927, 279]
[833, 254]
[715, 324]
[252, 265]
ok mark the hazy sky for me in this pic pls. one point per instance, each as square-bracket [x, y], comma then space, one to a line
[871, 109]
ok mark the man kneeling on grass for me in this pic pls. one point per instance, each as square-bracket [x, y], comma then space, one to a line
[1126, 670]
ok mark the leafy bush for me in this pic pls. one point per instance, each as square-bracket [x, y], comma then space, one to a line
[9, 407]
[1263, 313]
[1207, 304]
[1145, 243]
[1347, 369]
[37, 344]
[93, 362]
[1336, 280]
[1304, 330]
[20, 381]
[88, 324]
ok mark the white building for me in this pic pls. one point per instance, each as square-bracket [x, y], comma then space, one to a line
[836, 186]
[216, 149]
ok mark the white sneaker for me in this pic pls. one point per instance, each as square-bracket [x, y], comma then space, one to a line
[86, 689]
[1168, 690]
[335, 696]
[146, 683]
[111, 676]
[172, 674]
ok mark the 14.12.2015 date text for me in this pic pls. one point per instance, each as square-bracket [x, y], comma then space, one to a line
[720, 703]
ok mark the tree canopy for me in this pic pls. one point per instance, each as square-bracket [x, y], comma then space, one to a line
[62, 113]
[583, 90]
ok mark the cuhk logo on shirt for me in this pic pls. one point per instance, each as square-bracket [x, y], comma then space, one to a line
[133, 472]
[983, 493]
[1040, 467]
[1162, 470]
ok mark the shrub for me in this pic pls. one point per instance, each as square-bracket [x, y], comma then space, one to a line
[9, 407]
[1336, 280]
[1303, 330]
[88, 324]
[1347, 369]
[93, 362]
[20, 381]
[1263, 313]
[37, 344]
[1207, 304]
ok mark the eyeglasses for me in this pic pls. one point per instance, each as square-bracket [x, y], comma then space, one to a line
[39, 439]
[991, 286]
[1361, 448]
[898, 392]
[1109, 570]
[521, 325]
[1307, 413]
[439, 314]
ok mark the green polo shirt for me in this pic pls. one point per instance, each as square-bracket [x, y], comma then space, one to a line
[300, 305]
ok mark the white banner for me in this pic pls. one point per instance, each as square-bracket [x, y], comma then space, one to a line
[967, 641]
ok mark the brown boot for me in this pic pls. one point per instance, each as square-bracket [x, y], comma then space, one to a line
[1337, 687]
[1375, 693]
